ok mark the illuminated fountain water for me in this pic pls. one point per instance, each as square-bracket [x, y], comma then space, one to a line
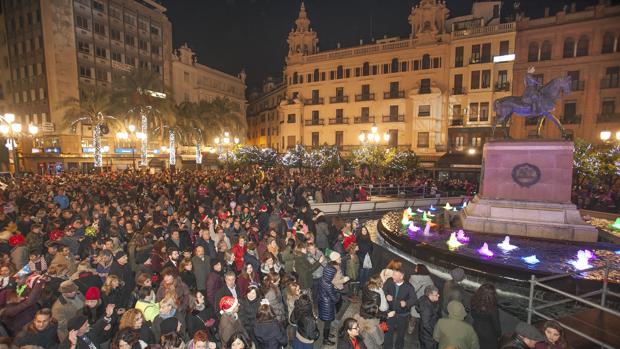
[430, 214]
[460, 235]
[432, 208]
[506, 246]
[447, 207]
[531, 259]
[453, 242]
[427, 228]
[616, 224]
[419, 210]
[583, 260]
[484, 250]
[413, 228]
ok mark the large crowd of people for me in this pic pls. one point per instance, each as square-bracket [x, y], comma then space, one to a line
[218, 259]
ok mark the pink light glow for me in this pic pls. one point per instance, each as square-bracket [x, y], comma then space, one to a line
[460, 236]
[484, 250]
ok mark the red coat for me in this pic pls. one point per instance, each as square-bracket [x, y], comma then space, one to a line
[348, 240]
[239, 251]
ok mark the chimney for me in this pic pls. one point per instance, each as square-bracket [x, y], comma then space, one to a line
[573, 7]
[546, 11]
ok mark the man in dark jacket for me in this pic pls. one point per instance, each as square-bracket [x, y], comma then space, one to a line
[429, 310]
[401, 297]
[39, 332]
[121, 268]
[525, 336]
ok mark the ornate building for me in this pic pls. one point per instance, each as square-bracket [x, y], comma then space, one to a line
[262, 115]
[584, 45]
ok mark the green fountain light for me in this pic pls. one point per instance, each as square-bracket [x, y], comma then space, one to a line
[616, 224]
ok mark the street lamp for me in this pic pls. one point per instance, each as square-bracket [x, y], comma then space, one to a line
[373, 136]
[12, 130]
[605, 135]
[133, 135]
[225, 141]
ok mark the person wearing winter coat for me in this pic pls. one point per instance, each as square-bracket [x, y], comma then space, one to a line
[328, 296]
[167, 309]
[268, 331]
[429, 311]
[41, 331]
[229, 322]
[454, 330]
[322, 230]
[303, 267]
[401, 298]
[20, 310]
[271, 291]
[349, 335]
[419, 280]
[215, 281]
[364, 253]
[249, 308]
[369, 325]
[133, 320]
[453, 291]
[66, 306]
[303, 319]
[147, 304]
[200, 316]
[287, 256]
[485, 314]
[201, 265]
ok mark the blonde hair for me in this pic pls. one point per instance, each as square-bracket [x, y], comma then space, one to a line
[129, 318]
[107, 285]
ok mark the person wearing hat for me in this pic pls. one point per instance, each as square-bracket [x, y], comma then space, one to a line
[121, 268]
[453, 291]
[19, 252]
[525, 336]
[454, 330]
[66, 306]
[229, 322]
[81, 335]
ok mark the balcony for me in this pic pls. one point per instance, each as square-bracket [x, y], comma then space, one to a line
[571, 119]
[394, 118]
[608, 117]
[457, 122]
[314, 122]
[480, 59]
[365, 97]
[610, 82]
[458, 91]
[424, 90]
[441, 148]
[338, 121]
[314, 101]
[364, 119]
[339, 99]
[393, 94]
[502, 86]
[577, 85]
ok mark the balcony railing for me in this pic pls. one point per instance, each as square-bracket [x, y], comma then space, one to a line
[480, 59]
[610, 82]
[457, 122]
[424, 90]
[339, 99]
[313, 101]
[394, 118]
[577, 85]
[571, 119]
[459, 90]
[440, 148]
[314, 122]
[364, 119]
[502, 86]
[338, 121]
[365, 97]
[393, 94]
[608, 117]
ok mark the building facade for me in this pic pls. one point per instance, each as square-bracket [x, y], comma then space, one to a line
[581, 44]
[57, 47]
[263, 115]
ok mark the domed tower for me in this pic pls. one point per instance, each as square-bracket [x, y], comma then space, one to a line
[302, 41]
[428, 20]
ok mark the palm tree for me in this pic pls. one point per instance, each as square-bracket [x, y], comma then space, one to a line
[92, 108]
[192, 123]
[141, 95]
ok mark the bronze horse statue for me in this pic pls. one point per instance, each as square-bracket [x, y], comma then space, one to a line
[548, 94]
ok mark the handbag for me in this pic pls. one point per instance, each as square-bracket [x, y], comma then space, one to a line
[367, 262]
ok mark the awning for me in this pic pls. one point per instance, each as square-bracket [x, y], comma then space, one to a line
[460, 161]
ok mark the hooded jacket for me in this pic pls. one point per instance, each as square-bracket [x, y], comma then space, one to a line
[327, 295]
[454, 330]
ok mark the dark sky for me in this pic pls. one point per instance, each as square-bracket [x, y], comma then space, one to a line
[233, 34]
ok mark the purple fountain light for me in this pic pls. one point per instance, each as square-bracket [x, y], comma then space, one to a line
[413, 228]
[460, 236]
[484, 250]
[583, 260]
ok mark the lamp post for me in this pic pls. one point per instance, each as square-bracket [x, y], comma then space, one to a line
[225, 141]
[605, 136]
[132, 135]
[373, 137]
[12, 130]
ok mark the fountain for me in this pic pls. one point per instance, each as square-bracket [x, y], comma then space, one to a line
[425, 217]
[464, 204]
[506, 246]
[432, 208]
[453, 242]
[419, 210]
[447, 207]
[413, 228]
[583, 260]
[484, 250]
[460, 235]
[616, 224]
[427, 228]
[430, 214]
[405, 220]
[531, 259]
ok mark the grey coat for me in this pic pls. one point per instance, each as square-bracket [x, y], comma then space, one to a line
[370, 331]
[322, 233]
[201, 270]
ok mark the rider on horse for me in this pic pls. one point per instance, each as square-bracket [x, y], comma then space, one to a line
[531, 95]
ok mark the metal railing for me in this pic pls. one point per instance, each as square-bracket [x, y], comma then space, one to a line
[314, 122]
[367, 119]
[365, 97]
[314, 101]
[358, 207]
[394, 94]
[338, 120]
[339, 99]
[394, 118]
[603, 292]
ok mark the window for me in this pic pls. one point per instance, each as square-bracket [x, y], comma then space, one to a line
[486, 53]
[458, 142]
[262, 131]
[115, 12]
[436, 62]
[423, 138]
[339, 72]
[458, 56]
[425, 86]
[366, 91]
[315, 117]
[129, 40]
[316, 74]
[115, 34]
[366, 69]
[98, 6]
[609, 106]
[375, 69]
[473, 112]
[609, 43]
[457, 111]
[393, 142]
[339, 138]
[323, 76]
[426, 61]
[611, 77]
[154, 30]
[504, 47]
[116, 56]
[81, 22]
[393, 112]
[386, 68]
[101, 52]
[569, 48]
[130, 60]
[545, 51]
[102, 75]
[532, 52]
[83, 47]
[475, 80]
[458, 83]
[394, 66]
[365, 111]
[570, 109]
[339, 91]
[143, 64]
[394, 87]
[582, 46]
[85, 72]
[339, 114]
[99, 28]
[403, 66]
[315, 139]
[143, 45]
[486, 79]
[475, 54]
[130, 19]
[476, 141]
[424, 110]
[290, 118]
[141, 23]
[358, 71]
[502, 78]
[484, 111]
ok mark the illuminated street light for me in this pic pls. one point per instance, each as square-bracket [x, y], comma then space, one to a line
[131, 128]
[471, 151]
[605, 135]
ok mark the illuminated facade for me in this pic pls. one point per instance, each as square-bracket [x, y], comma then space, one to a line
[263, 118]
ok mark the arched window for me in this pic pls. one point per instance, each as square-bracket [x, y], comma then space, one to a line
[339, 72]
[394, 65]
[316, 75]
[609, 41]
[545, 51]
[305, 49]
[366, 69]
[426, 61]
[569, 48]
[295, 78]
[582, 46]
[532, 52]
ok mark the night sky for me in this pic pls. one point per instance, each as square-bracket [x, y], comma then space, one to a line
[233, 34]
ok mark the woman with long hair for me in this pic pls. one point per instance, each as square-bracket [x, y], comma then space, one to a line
[158, 257]
[133, 319]
[111, 291]
[386, 273]
[248, 276]
[292, 291]
[186, 272]
[364, 254]
[271, 292]
[238, 341]
[369, 325]
[349, 335]
[305, 323]
[268, 331]
[200, 317]
[485, 313]
[554, 336]
[126, 339]
[249, 308]
[270, 264]
[143, 279]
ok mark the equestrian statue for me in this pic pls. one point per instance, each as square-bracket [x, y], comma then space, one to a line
[537, 101]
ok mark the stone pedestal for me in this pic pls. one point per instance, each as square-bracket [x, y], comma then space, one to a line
[526, 191]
